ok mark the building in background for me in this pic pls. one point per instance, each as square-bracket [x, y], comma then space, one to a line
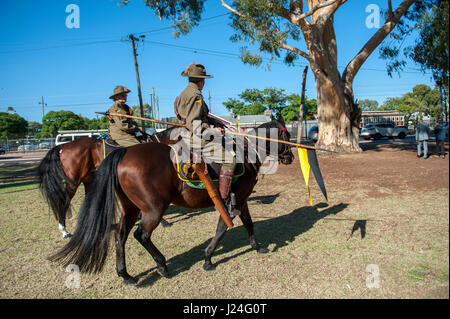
[395, 117]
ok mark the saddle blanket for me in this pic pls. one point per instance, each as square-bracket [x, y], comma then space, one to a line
[108, 147]
[187, 174]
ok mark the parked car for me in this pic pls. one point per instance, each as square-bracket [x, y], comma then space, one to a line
[313, 133]
[379, 130]
[69, 136]
[27, 147]
[44, 145]
[2, 151]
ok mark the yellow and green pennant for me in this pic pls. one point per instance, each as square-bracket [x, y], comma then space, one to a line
[304, 165]
[308, 161]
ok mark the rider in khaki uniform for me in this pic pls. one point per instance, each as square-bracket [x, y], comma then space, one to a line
[191, 107]
[121, 129]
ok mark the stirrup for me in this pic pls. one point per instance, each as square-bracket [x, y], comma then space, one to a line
[231, 203]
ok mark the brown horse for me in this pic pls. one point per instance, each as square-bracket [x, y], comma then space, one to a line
[66, 166]
[144, 179]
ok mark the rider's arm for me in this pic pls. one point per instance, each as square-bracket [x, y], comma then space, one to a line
[194, 110]
[122, 123]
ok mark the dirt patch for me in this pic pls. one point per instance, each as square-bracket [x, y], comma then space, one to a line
[381, 170]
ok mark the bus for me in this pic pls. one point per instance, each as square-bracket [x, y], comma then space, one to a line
[72, 135]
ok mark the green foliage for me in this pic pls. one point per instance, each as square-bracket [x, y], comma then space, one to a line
[184, 14]
[368, 105]
[97, 123]
[431, 51]
[291, 111]
[12, 125]
[255, 101]
[422, 100]
[430, 19]
[34, 129]
[264, 27]
[55, 121]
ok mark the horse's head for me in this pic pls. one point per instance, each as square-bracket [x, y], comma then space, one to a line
[285, 155]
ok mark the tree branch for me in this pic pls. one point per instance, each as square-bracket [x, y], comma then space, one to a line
[265, 30]
[162, 9]
[317, 7]
[355, 64]
[389, 8]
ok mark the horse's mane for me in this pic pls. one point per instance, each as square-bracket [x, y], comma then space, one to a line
[270, 124]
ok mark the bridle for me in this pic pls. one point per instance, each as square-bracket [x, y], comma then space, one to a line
[283, 137]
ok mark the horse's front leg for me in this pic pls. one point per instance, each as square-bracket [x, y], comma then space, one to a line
[248, 224]
[221, 229]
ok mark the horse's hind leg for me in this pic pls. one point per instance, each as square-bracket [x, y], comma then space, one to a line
[129, 216]
[220, 231]
[248, 224]
[143, 235]
[62, 217]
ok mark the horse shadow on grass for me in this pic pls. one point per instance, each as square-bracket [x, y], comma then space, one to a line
[279, 231]
[180, 213]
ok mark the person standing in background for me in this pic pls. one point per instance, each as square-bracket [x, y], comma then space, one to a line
[422, 137]
[439, 132]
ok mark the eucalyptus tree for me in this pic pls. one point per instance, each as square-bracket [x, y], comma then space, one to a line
[281, 26]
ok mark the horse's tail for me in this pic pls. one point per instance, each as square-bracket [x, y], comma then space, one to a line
[53, 183]
[89, 245]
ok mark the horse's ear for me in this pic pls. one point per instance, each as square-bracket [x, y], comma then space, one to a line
[280, 119]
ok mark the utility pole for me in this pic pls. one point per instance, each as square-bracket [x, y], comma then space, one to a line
[442, 106]
[302, 107]
[153, 105]
[141, 105]
[157, 110]
[209, 101]
[43, 113]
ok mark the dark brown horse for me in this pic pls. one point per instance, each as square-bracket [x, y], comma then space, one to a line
[144, 179]
[66, 166]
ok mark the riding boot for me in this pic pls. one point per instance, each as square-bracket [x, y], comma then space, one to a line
[225, 179]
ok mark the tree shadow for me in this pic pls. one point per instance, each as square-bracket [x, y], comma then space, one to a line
[400, 146]
[175, 212]
[279, 231]
[268, 199]
[397, 146]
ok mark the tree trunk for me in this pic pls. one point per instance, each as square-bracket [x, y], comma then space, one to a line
[339, 117]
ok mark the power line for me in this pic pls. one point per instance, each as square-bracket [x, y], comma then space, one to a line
[60, 46]
[171, 27]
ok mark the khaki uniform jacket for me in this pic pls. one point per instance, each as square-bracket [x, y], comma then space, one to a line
[192, 107]
[122, 129]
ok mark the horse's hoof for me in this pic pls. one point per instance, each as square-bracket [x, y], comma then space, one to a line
[67, 235]
[162, 271]
[262, 250]
[130, 281]
[208, 266]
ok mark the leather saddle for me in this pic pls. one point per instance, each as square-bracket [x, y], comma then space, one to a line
[187, 174]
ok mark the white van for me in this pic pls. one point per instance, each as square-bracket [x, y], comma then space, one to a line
[69, 136]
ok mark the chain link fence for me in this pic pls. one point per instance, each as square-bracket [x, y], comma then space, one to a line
[26, 144]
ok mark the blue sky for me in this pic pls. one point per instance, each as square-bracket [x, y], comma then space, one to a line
[76, 69]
